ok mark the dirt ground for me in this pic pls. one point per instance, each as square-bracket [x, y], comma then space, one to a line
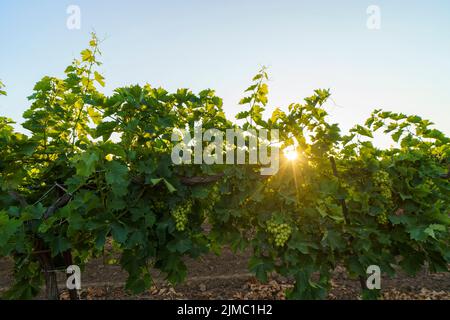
[227, 277]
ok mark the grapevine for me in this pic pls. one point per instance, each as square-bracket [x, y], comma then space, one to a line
[95, 168]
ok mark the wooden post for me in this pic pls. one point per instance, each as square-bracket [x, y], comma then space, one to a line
[51, 282]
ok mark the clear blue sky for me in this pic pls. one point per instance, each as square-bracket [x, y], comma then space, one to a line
[403, 67]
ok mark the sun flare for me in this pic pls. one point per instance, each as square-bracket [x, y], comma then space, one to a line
[290, 153]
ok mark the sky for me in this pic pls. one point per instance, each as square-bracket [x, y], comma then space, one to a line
[404, 66]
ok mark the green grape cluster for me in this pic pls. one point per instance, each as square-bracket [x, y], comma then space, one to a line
[382, 181]
[386, 192]
[215, 194]
[158, 205]
[382, 218]
[213, 198]
[180, 214]
[381, 177]
[281, 232]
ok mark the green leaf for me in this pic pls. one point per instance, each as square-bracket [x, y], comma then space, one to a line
[169, 186]
[117, 177]
[417, 233]
[242, 115]
[155, 181]
[333, 239]
[180, 246]
[391, 127]
[86, 55]
[354, 266]
[363, 131]
[432, 228]
[257, 77]
[105, 129]
[8, 228]
[59, 244]
[412, 262]
[251, 88]
[277, 114]
[414, 119]
[137, 238]
[200, 192]
[302, 247]
[119, 233]
[396, 136]
[86, 163]
[2, 92]
[95, 115]
[99, 78]
[101, 238]
[261, 266]
[33, 212]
